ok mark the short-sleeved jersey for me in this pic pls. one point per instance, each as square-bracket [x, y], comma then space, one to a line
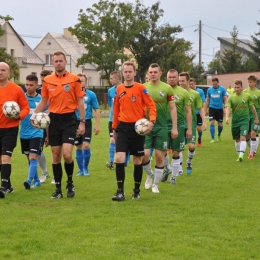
[62, 92]
[162, 95]
[255, 95]
[90, 103]
[240, 105]
[110, 101]
[196, 103]
[27, 131]
[181, 99]
[216, 97]
[12, 92]
[130, 104]
[202, 95]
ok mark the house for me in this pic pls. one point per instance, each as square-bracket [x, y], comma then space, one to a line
[68, 44]
[28, 61]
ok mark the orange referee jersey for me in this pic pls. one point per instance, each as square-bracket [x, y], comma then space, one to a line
[62, 92]
[130, 103]
[12, 92]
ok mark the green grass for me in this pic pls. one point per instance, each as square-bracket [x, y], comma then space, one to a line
[211, 214]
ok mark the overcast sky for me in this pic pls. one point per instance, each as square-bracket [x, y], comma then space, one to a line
[33, 19]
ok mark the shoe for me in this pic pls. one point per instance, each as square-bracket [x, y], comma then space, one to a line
[149, 182]
[53, 181]
[80, 173]
[219, 139]
[166, 173]
[7, 190]
[189, 167]
[212, 141]
[86, 172]
[44, 177]
[2, 194]
[110, 165]
[70, 190]
[254, 154]
[155, 189]
[199, 143]
[173, 180]
[57, 194]
[180, 172]
[136, 194]
[27, 185]
[250, 156]
[119, 195]
[36, 184]
[240, 158]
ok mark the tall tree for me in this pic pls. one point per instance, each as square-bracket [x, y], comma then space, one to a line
[256, 46]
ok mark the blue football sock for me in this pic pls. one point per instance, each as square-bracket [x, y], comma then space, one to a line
[151, 151]
[79, 158]
[212, 131]
[111, 152]
[199, 134]
[220, 128]
[127, 158]
[32, 170]
[86, 157]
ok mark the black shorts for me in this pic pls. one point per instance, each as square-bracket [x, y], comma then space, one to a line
[8, 140]
[31, 146]
[62, 129]
[216, 114]
[88, 133]
[128, 140]
[199, 120]
[43, 139]
[110, 130]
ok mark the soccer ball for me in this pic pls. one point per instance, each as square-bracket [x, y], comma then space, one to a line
[42, 120]
[11, 109]
[141, 125]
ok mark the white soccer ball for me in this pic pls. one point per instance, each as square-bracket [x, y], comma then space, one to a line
[11, 109]
[141, 126]
[42, 120]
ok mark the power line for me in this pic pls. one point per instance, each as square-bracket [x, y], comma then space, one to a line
[189, 26]
[210, 36]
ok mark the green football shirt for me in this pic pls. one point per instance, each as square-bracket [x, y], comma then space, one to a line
[255, 95]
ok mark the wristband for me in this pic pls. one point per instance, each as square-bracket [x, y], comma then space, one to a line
[33, 116]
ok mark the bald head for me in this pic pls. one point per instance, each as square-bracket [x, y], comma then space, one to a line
[4, 73]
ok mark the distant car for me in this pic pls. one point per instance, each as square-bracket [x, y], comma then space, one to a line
[204, 88]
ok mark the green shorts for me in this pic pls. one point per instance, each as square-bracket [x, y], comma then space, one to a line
[240, 130]
[157, 139]
[177, 144]
[191, 140]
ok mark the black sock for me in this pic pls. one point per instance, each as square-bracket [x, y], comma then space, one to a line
[138, 174]
[69, 167]
[0, 167]
[120, 175]
[5, 175]
[57, 172]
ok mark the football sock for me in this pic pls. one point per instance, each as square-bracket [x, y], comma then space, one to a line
[199, 134]
[166, 161]
[42, 162]
[111, 152]
[127, 158]
[175, 166]
[212, 131]
[242, 147]
[138, 174]
[253, 146]
[5, 175]
[158, 172]
[120, 175]
[257, 142]
[181, 158]
[86, 157]
[147, 168]
[190, 155]
[69, 167]
[79, 159]
[220, 128]
[0, 167]
[237, 145]
[248, 142]
[151, 151]
[32, 171]
[57, 173]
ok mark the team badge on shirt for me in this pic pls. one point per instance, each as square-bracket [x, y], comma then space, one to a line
[145, 91]
[243, 101]
[133, 98]
[67, 88]
[191, 99]
[161, 94]
[176, 97]
[255, 96]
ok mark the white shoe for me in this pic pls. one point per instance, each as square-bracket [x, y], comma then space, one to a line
[149, 182]
[155, 188]
[43, 178]
[53, 181]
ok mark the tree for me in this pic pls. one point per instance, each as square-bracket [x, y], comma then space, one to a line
[4, 56]
[256, 47]
[215, 66]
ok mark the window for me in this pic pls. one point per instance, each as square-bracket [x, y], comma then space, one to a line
[48, 59]
[34, 73]
[12, 52]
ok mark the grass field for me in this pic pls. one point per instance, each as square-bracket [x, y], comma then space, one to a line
[211, 214]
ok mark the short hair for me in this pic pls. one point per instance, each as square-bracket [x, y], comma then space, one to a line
[238, 82]
[32, 77]
[185, 74]
[58, 53]
[155, 65]
[129, 63]
[192, 80]
[116, 73]
[45, 73]
[83, 75]
[252, 77]
[215, 79]
[172, 71]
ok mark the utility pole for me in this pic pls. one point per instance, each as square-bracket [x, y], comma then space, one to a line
[200, 29]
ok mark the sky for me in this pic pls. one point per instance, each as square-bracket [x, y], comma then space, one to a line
[33, 19]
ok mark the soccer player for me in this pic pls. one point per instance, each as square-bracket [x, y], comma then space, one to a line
[64, 92]
[196, 103]
[216, 100]
[254, 129]
[184, 121]
[83, 141]
[30, 137]
[240, 102]
[42, 157]
[9, 127]
[129, 106]
[162, 95]
[199, 120]
[115, 80]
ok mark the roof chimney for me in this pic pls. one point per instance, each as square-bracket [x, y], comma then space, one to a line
[67, 33]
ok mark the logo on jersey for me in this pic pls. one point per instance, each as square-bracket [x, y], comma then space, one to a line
[122, 94]
[255, 96]
[145, 91]
[133, 98]
[243, 101]
[176, 97]
[161, 94]
[67, 87]
[191, 99]
[165, 146]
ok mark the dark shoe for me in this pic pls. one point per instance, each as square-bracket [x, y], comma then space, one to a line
[57, 195]
[119, 196]
[70, 190]
[7, 190]
[136, 194]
